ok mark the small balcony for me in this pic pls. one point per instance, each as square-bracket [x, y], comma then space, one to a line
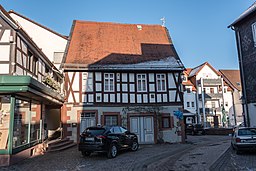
[211, 82]
[211, 96]
[210, 111]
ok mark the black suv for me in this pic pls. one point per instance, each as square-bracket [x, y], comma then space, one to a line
[109, 139]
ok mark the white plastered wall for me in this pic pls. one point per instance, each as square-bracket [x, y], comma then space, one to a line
[46, 40]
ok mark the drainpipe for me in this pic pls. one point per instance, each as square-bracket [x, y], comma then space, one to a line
[12, 41]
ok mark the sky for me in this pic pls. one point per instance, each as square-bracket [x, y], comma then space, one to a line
[198, 28]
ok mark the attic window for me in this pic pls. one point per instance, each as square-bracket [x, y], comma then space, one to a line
[139, 27]
[238, 84]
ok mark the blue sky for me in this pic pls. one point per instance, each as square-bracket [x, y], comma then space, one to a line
[198, 28]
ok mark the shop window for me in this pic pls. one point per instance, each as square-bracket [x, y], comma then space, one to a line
[35, 122]
[21, 123]
[166, 122]
[4, 121]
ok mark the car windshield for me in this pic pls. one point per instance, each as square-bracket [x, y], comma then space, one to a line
[242, 132]
[95, 131]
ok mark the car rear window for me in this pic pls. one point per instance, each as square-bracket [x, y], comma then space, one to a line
[242, 132]
[95, 131]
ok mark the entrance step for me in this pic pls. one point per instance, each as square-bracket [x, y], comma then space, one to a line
[60, 144]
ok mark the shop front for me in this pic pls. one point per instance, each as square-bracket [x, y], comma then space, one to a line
[23, 105]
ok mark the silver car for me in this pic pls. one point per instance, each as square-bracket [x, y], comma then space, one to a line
[244, 138]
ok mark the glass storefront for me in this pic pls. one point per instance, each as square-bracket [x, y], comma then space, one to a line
[35, 122]
[26, 122]
[4, 121]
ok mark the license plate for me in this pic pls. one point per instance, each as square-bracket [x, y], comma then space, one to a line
[89, 139]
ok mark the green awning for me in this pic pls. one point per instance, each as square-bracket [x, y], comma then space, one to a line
[29, 87]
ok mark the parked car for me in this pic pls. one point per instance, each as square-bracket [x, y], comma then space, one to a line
[243, 138]
[194, 129]
[109, 139]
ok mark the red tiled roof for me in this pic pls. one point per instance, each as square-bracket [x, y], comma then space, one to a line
[232, 77]
[188, 70]
[113, 43]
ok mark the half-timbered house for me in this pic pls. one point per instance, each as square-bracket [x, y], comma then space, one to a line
[122, 74]
[30, 92]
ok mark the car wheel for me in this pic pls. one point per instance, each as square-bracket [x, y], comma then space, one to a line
[112, 152]
[135, 146]
[86, 153]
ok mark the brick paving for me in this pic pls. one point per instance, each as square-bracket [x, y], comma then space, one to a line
[148, 157]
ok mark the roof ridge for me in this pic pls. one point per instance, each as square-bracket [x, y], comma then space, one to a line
[116, 23]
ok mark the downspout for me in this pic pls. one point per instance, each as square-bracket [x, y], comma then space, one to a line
[12, 41]
[240, 61]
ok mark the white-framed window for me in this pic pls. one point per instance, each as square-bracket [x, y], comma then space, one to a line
[109, 82]
[188, 104]
[141, 83]
[161, 82]
[254, 33]
[87, 81]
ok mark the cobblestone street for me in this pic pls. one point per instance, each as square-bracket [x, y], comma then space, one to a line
[198, 153]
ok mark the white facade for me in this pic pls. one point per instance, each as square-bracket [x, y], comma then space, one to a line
[52, 44]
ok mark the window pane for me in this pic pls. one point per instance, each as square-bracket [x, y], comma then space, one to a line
[35, 122]
[21, 123]
[166, 123]
[144, 85]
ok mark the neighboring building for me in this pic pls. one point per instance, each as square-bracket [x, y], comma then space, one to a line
[30, 92]
[123, 74]
[245, 30]
[207, 95]
[50, 42]
[232, 96]
[189, 99]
